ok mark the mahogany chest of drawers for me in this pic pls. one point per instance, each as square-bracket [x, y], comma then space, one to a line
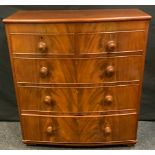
[78, 74]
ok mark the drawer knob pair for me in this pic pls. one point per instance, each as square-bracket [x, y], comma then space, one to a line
[111, 45]
[42, 46]
[44, 71]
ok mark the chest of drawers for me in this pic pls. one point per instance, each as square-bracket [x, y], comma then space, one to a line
[78, 74]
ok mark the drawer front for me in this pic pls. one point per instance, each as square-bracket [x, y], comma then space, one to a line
[97, 70]
[77, 27]
[45, 70]
[42, 28]
[86, 43]
[111, 42]
[42, 44]
[111, 69]
[84, 129]
[111, 26]
[78, 100]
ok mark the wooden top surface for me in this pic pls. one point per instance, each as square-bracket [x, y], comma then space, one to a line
[49, 16]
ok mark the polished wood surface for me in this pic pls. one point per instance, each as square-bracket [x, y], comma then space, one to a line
[77, 100]
[42, 16]
[85, 42]
[43, 44]
[87, 129]
[63, 28]
[76, 71]
[110, 42]
[78, 74]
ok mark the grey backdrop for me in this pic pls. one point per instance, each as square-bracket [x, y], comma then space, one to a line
[8, 107]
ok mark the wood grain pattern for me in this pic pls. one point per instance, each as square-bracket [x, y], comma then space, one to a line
[56, 44]
[86, 42]
[88, 129]
[98, 42]
[58, 28]
[58, 71]
[126, 68]
[76, 71]
[78, 100]
[111, 26]
[78, 74]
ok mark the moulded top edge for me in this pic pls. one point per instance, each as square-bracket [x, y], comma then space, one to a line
[51, 16]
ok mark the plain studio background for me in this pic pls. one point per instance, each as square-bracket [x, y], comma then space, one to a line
[8, 106]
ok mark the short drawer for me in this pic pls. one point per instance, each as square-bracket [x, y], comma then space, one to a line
[89, 70]
[45, 70]
[79, 129]
[42, 43]
[111, 26]
[110, 69]
[111, 42]
[78, 100]
[54, 28]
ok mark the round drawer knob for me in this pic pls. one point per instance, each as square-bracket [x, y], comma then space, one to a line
[107, 130]
[44, 71]
[48, 99]
[42, 46]
[49, 129]
[110, 70]
[108, 99]
[111, 45]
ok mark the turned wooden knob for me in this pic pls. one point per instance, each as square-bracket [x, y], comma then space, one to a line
[110, 70]
[49, 129]
[107, 130]
[42, 46]
[44, 71]
[48, 99]
[108, 99]
[111, 45]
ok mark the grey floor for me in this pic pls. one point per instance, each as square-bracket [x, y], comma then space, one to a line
[10, 138]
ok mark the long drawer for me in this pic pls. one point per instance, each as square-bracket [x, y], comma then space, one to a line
[78, 100]
[101, 42]
[87, 27]
[79, 129]
[88, 70]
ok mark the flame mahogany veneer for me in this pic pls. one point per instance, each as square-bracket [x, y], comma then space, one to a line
[78, 74]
